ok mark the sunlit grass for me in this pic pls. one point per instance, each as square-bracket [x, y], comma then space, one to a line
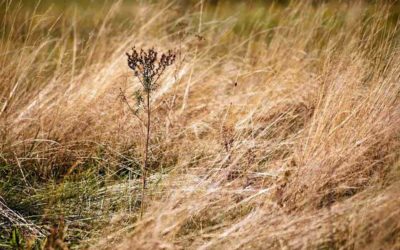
[275, 128]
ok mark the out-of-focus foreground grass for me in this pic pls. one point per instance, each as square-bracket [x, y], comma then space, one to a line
[278, 126]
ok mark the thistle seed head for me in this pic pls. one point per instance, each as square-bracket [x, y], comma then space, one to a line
[148, 67]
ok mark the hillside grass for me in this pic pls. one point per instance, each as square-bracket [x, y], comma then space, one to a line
[277, 128]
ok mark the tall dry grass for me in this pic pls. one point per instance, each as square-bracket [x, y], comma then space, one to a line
[278, 129]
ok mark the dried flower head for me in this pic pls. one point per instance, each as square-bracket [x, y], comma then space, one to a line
[148, 67]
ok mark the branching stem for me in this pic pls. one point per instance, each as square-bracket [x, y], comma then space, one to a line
[147, 68]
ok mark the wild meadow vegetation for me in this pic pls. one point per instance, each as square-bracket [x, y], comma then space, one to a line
[275, 126]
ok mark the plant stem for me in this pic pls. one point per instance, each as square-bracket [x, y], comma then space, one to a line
[146, 152]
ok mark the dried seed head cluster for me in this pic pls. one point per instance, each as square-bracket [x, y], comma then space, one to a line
[148, 67]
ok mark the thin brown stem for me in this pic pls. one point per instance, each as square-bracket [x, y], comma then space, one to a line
[146, 152]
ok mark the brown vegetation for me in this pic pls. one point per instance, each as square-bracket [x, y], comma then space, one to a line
[276, 128]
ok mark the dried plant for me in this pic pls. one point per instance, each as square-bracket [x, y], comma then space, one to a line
[148, 68]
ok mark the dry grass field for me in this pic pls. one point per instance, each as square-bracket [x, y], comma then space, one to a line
[277, 127]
